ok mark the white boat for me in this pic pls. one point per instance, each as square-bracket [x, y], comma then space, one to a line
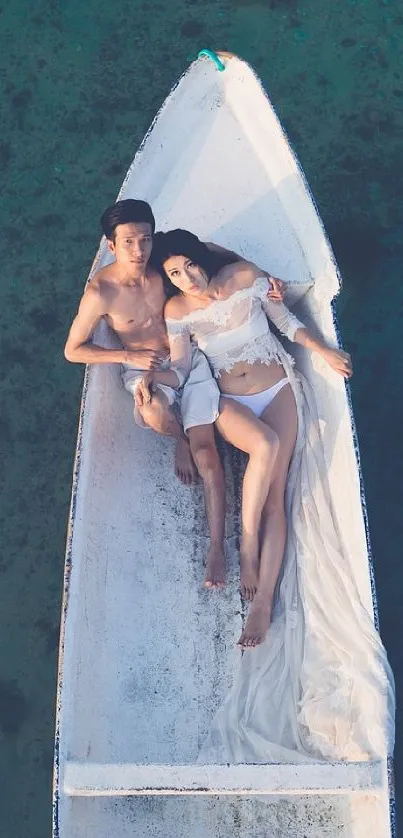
[146, 654]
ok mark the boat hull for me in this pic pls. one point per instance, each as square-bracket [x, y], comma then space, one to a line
[147, 655]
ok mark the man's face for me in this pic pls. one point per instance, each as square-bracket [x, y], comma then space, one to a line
[132, 246]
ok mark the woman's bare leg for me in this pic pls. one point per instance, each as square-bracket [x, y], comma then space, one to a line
[239, 426]
[281, 416]
[208, 464]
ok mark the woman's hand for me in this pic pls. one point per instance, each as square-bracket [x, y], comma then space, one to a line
[276, 289]
[339, 361]
[143, 392]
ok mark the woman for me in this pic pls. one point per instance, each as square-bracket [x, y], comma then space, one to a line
[224, 309]
[320, 685]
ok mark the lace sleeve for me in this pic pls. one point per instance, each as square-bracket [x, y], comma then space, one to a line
[180, 348]
[278, 313]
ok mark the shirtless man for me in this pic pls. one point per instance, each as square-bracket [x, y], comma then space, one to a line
[129, 295]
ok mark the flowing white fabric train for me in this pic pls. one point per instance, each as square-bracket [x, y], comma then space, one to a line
[320, 686]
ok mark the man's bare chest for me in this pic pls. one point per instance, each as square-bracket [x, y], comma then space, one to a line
[132, 308]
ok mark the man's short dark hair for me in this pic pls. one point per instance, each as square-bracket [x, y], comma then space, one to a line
[126, 212]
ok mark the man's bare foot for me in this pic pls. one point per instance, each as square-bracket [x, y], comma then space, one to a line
[185, 468]
[249, 560]
[256, 625]
[215, 568]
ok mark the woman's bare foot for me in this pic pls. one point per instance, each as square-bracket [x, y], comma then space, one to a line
[215, 568]
[249, 560]
[185, 468]
[256, 625]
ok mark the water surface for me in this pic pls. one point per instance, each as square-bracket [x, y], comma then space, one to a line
[81, 83]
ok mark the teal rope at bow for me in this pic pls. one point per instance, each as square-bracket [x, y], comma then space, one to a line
[214, 57]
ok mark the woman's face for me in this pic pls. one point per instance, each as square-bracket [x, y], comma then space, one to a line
[186, 275]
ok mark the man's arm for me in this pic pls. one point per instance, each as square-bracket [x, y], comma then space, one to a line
[277, 289]
[80, 350]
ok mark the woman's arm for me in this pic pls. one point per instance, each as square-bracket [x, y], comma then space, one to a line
[295, 331]
[146, 385]
[181, 362]
[339, 360]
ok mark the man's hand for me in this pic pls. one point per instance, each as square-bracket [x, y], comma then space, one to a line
[143, 392]
[277, 289]
[145, 359]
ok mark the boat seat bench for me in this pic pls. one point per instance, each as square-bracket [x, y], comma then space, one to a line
[95, 779]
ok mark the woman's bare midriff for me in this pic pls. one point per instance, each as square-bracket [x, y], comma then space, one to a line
[246, 379]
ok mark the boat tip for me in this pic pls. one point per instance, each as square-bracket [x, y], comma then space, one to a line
[219, 58]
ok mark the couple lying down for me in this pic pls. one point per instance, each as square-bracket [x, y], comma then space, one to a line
[222, 307]
[195, 324]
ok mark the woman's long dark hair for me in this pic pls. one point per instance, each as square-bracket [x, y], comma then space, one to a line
[183, 243]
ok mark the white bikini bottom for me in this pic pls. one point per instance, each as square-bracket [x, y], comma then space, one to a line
[257, 402]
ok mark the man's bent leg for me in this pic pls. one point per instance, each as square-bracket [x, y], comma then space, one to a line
[208, 463]
[159, 416]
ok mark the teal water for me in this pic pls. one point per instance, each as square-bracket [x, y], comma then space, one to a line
[80, 85]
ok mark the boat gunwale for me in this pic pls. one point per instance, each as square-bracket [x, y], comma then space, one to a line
[68, 564]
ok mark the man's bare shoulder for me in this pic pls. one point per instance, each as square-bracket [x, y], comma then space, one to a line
[97, 293]
[103, 286]
[154, 276]
[104, 279]
[175, 308]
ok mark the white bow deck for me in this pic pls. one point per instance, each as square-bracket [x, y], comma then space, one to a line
[147, 655]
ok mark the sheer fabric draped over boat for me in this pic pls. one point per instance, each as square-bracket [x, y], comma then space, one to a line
[320, 686]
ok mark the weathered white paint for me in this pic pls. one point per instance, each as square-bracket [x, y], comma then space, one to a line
[147, 654]
[325, 778]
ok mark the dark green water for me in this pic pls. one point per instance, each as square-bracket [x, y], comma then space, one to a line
[81, 83]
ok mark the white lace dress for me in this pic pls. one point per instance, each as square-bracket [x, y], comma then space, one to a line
[320, 685]
[233, 329]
